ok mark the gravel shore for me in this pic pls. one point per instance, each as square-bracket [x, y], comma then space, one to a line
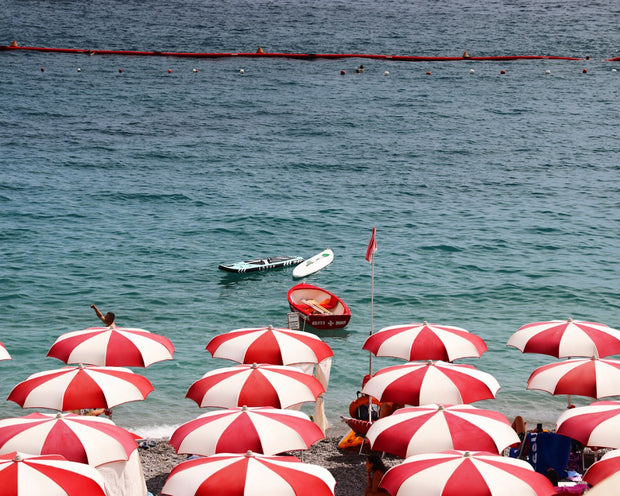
[347, 466]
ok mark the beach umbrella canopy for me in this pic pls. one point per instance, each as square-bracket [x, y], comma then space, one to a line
[112, 346]
[78, 438]
[593, 377]
[52, 475]
[432, 428]
[477, 473]
[263, 430]
[423, 383]
[74, 388]
[596, 425]
[608, 465]
[4, 355]
[248, 474]
[278, 386]
[270, 345]
[425, 342]
[567, 338]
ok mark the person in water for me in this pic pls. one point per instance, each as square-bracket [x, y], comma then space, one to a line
[375, 469]
[107, 319]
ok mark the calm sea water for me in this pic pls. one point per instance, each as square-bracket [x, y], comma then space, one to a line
[495, 196]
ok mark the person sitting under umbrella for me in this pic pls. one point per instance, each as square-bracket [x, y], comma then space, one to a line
[375, 469]
[108, 319]
[93, 412]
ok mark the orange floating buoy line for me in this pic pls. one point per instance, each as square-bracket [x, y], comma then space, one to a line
[305, 56]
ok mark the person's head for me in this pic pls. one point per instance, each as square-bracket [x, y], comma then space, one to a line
[108, 320]
[374, 462]
[553, 476]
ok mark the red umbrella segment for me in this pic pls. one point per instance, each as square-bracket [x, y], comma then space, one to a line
[263, 430]
[270, 345]
[26, 475]
[78, 438]
[594, 377]
[75, 388]
[112, 346]
[242, 475]
[568, 338]
[432, 428]
[425, 342]
[454, 473]
[4, 355]
[422, 383]
[595, 425]
[277, 386]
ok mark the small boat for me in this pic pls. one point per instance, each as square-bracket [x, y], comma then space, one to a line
[313, 264]
[260, 264]
[318, 307]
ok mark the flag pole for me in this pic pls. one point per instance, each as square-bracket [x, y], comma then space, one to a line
[370, 257]
[372, 304]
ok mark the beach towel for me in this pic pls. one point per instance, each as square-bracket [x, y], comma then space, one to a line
[548, 450]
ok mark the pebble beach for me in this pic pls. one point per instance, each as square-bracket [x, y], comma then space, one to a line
[347, 466]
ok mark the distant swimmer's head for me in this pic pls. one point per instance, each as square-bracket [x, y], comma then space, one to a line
[108, 320]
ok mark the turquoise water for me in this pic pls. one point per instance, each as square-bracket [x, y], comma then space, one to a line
[495, 196]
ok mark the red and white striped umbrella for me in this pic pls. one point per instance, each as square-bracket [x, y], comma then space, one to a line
[74, 388]
[423, 383]
[248, 475]
[425, 342]
[112, 346]
[51, 475]
[4, 355]
[596, 425]
[567, 338]
[608, 465]
[477, 473]
[277, 386]
[79, 438]
[593, 377]
[263, 430]
[269, 345]
[432, 428]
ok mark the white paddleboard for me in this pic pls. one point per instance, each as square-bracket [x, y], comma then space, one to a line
[313, 264]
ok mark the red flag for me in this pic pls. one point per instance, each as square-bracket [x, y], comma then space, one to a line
[372, 246]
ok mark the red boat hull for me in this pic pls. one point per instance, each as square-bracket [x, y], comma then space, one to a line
[318, 307]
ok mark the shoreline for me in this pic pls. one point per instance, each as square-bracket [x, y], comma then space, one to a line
[347, 466]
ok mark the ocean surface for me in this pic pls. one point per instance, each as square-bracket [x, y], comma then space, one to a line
[496, 197]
